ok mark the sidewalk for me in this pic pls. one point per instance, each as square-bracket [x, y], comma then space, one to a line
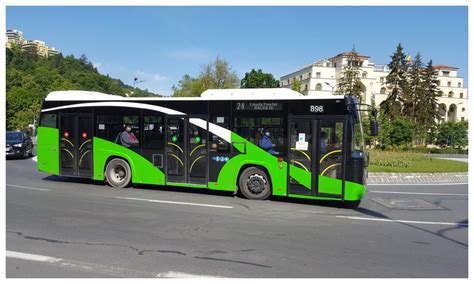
[417, 178]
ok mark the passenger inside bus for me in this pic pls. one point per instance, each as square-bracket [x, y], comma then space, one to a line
[266, 143]
[127, 138]
[324, 142]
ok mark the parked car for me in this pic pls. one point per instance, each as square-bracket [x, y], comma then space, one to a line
[19, 144]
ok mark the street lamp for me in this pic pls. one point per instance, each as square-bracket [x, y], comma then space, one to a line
[332, 87]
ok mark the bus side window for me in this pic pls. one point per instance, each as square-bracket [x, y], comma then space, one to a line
[217, 144]
[153, 135]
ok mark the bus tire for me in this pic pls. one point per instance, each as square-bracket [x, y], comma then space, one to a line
[255, 184]
[351, 204]
[118, 173]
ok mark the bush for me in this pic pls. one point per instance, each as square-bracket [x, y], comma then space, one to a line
[452, 134]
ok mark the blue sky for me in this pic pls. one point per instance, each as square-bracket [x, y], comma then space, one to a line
[161, 44]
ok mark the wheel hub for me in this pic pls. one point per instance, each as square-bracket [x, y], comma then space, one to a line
[118, 173]
[256, 183]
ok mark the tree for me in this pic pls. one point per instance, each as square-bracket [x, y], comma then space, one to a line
[188, 87]
[218, 75]
[399, 131]
[452, 134]
[258, 79]
[428, 114]
[397, 82]
[296, 86]
[30, 78]
[215, 75]
[414, 90]
[350, 83]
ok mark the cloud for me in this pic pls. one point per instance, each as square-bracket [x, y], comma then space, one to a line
[142, 75]
[158, 77]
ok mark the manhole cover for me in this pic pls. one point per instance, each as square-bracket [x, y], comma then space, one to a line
[407, 204]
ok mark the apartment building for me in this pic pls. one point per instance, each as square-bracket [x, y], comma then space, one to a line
[15, 37]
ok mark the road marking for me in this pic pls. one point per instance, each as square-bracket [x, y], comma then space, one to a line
[175, 202]
[82, 266]
[176, 274]
[403, 221]
[28, 187]
[33, 257]
[35, 159]
[412, 184]
[418, 193]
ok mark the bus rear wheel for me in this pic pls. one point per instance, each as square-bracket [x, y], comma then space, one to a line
[118, 173]
[254, 184]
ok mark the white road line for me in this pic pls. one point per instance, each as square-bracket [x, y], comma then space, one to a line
[82, 266]
[175, 202]
[412, 184]
[177, 274]
[27, 187]
[403, 221]
[417, 193]
[33, 257]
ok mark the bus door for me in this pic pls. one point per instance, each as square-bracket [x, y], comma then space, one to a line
[316, 157]
[186, 150]
[75, 143]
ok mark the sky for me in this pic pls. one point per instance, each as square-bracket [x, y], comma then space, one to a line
[161, 44]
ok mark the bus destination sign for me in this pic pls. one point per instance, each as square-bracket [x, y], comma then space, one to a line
[258, 106]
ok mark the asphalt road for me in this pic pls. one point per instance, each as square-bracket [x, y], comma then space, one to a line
[62, 227]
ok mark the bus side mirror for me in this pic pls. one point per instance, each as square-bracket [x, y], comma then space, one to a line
[374, 128]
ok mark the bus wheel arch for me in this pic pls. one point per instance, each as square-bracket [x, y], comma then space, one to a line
[118, 171]
[254, 182]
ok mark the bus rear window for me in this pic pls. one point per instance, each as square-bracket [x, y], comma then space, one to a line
[48, 120]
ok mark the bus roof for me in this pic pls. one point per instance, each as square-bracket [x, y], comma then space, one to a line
[211, 94]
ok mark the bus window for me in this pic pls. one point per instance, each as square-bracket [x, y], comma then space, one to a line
[218, 144]
[153, 135]
[111, 126]
[254, 130]
[330, 149]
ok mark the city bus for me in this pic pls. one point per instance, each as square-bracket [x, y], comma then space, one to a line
[260, 142]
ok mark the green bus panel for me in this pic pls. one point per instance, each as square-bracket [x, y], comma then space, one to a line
[143, 171]
[48, 150]
[228, 176]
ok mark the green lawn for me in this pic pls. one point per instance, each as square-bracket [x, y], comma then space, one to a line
[423, 166]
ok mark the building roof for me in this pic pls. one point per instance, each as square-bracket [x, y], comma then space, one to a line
[348, 53]
[445, 67]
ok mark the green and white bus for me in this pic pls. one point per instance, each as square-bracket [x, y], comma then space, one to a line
[260, 142]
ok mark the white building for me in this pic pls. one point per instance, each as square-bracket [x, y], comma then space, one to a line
[14, 37]
[322, 77]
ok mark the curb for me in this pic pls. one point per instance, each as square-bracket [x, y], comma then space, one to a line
[417, 178]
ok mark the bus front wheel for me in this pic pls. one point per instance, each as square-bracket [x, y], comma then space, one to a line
[254, 183]
[118, 173]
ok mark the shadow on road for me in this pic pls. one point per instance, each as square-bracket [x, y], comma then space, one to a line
[462, 224]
